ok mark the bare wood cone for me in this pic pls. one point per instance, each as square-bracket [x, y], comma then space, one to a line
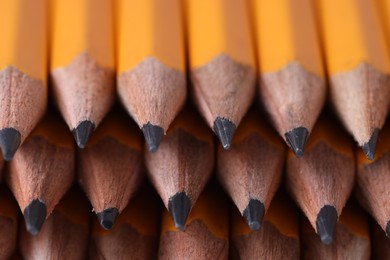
[373, 178]
[252, 168]
[351, 239]
[278, 238]
[110, 166]
[184, 161]
[65, 233]
[43, 168]
[323, 178]
[135, 232]
[83, 90]
[206, 231]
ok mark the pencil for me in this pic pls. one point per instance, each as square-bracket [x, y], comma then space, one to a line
[181, 167]
[292, 83]
[8, 223]
[372, 178]
[206, 231]
[322, 180]
[42, 171]
[110, 166]
[380, 243]
[135, 233]
[251, 170]
[351, 238]
[65, 233]
[358, 66]
[151, 64]
[82, 63]
[277, 239]
[23, 72]
[221, 62]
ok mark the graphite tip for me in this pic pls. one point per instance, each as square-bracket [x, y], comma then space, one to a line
[179, 207]
[296, 139]
[82, 132]
[369, 147]
[9, 142]
[388, 229]
[34, 216]
[107, 217]
[326, 223]
[225, 130]
[153, 135]
[254, 214]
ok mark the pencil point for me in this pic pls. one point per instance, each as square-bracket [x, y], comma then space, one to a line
[369, 147]
[388, 229]
[107, 217]
[82, 132]
[297, 138]
[153, 135]
[225, 130]
[326, 223]
[9, 142]
[254, 214]
[179, 207]
[34, 216]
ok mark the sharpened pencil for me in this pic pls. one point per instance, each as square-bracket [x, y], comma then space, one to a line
[206, 231]
[23, 71]
[358, 65]
[278, 238]
[135, 233]
[251, 170]
[42, 171]
[82, 63]
[351, 237]
[181, 167]
[372, 181]
[292, 80]
[222, 62]
[110, 166]
[321, 181]
[65, 233]
[151, 64]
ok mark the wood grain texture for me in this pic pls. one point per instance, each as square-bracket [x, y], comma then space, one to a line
[63, 235]
[351, 238]
[23, 100]
[8, 223]
[325, 175]
[152, 92]
[373, 178]
[206, 231]
[43, 168]
[135, 232]
[278, 237]
[361, 98]
[83, 90]
[252, 167]
[184, 160]
[223, 88]
[110, 167]
[293, 96]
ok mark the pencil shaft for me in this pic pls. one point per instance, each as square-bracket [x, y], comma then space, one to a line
[151, 61]
[23, 73]
[292, 84]
[221, 60]
[82, 60]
